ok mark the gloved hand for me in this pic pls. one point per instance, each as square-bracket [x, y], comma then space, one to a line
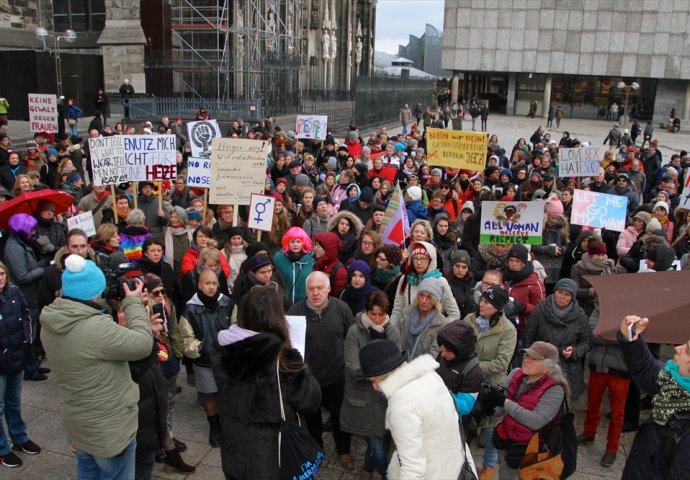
[490, 401]
[43, 243]
[519, 306]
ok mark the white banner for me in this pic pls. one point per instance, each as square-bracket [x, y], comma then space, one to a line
[150, 157]
[198, 172]
[261, 212]
[311, 126]
[579, 162]
[108, 160]
[238, 169]
[83, 221]
[43, 114]
[201, 135]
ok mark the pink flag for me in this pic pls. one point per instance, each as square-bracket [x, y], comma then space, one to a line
[395, 226]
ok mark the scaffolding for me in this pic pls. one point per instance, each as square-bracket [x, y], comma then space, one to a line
[242, 49]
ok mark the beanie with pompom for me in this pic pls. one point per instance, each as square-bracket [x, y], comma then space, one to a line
[82, 279]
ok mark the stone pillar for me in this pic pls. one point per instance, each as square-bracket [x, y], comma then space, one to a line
[686, 105]
[510, 101]
[122, 44]
[547, 96]
[455, 86]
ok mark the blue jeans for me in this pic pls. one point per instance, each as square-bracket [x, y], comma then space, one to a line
[121, 467]
[375, 456]
[404, 130]
[10, 405]
[73, 130]
[490, 452]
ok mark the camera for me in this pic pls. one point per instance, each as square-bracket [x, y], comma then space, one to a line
[487, 388]
[116, 275]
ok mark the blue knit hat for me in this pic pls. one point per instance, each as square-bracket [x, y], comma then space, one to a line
[82, 279]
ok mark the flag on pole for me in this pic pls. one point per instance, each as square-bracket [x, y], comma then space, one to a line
[395, 225]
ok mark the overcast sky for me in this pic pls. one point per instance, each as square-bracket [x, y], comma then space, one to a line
[397, 19]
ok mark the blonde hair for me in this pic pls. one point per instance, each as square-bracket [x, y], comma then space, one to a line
[427, 227]
[105, 232]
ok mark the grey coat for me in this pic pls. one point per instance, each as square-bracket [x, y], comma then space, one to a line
[426, 342]
[364, 409]
[573, 331]
[25, 271]
[606, 355]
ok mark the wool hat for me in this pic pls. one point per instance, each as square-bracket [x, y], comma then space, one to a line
[235, 231]
[342, 148]
[366, 149]
[44, 205]
[520, 252]
[302, 180]
[555, 207]
[378, 357]
[661, 204]
[467, 206]
[419, 249]
[53, 152]
[596, 247]
[535, 173]
[631, 149]
[663, 257]
[5, 193]
[414, 192]
[152, 281]
[436, 171]
[82, 279]
[145, 184]
[353, 135]
[295, 163]
[318, 199]
[359, 266]
[367, 195]
[460, 256]
[73, 177]
[664, 194]
[256, 247]
[653, 225]
[549, 176]
[542, 350]
[282, 180]
[332, 162]
[432, 286]
[567, 285]
[644, 216]
[538, 152]
[257, 261]
[193, 214]
[490, 171]
[623, 176]
[496, 296]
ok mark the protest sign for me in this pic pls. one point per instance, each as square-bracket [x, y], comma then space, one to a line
[150, 157]
[201, 135]
[199, 172]
[83, 221]
[238, 169]
[395, 226]
[599, 210]
[579, 162]
[108, 163]
[685, 194]
[512, 222]
[261, 212]
[311, 126]
[43, 114]
[457, 149]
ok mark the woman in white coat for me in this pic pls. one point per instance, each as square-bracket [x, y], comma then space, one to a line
[421, 414]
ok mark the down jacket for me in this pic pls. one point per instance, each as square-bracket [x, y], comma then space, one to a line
[15, 330]
[199, 328]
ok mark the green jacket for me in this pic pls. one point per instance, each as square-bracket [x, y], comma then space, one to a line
[4, 106]
[88, 354]
[294, 274]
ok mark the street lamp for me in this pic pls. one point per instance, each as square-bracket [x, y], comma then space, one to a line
[42, 34]
[627, 87]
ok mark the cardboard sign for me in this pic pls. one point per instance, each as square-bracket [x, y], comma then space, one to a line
[238, 169]
[311, 126]
[83, 221]
[599, 210]
[201, 135]
[579, 162]
[108, 162]
[150, 157]
[43, 114]
[199, 172]
[512, 222]
[457, 148]
[261, 212]
[685, 194]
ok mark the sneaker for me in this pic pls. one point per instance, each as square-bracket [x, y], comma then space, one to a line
[608, 459]
[11, 460]
[582, 438]
[28, 447]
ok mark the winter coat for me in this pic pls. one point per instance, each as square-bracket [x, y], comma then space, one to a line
[192, 255]
[530, 292]
[180, 245]
[585, 296]
[88, 354]
[348, 244]
[315, 224]
[627, 239]
[571, 331]
[325, 338]
[363, 410]
[495, 347]
[15, 330]
[248, 403]
[8, 175]
[647, 449]
[55, 231]
[457, 334]
[89, 202]
[629, 193]
[153, 402]
[606, 356]
[149, 205]
[545, 253]
[330, 264]
[426, 341]
[462, 290]
[422, 418]
[24, 270]
[415, 211]
[407, 297]
[132, 240]
[199, 328]
[294, 274]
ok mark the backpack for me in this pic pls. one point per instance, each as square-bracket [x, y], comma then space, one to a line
[338, 265]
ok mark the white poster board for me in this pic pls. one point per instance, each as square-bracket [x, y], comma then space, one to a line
[579, 162]
[297, 327]
[512, 222]
[108, 162]
[83, 221]
[43, 114]
[685, 194]
[201, 135]
[150, 157]
[311, 126]
[261, 212]
[198, 172]
[238, 169]
[599, 210]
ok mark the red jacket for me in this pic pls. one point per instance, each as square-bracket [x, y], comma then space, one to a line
[331, 244]
[530, 292]
[189, 262]
[511, 429]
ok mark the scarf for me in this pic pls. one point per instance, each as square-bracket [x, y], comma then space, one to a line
[366, 321]
[211, 303]
[605, 267]
[123, 213]
[355, 297]
[513, 277]
[417, 325]
[409, 170]
[171, 232]
[484, 325]
[444, 242]
[416, 279]
[293, 257]
[663, 220]
[673, 396]
[382, 277]
[561, 313]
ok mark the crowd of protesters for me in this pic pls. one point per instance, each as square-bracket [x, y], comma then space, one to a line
[215, 298]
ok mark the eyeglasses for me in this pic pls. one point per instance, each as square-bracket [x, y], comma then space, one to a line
[367, 242]
[157, 293]
[382, 259]
[421, 259]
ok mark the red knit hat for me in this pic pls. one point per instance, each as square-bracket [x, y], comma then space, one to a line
[420, 250]
[596, 247]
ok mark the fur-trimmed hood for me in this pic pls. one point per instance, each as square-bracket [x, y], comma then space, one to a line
[408, 372]
[650, 241]
[356, 225]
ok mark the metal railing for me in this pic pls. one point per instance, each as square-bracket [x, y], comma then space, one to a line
[145, 108]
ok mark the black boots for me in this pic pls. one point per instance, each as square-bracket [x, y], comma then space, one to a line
[214, 431]
[173, 462]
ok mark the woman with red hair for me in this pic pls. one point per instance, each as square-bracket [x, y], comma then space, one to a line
[295, 263]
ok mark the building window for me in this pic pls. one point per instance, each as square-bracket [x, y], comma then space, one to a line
[79, 15]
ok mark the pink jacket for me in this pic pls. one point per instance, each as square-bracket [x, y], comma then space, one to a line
[626, 240]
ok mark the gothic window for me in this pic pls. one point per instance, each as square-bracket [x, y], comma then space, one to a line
[79, 15]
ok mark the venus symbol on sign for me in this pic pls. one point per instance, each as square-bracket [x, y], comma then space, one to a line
[260, 208]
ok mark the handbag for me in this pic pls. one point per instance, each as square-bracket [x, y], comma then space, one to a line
[71, 122]
[299, 456]
[539, 462]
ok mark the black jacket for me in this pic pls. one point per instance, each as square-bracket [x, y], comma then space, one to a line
[459, 337]
[153, 402]
[15, 330]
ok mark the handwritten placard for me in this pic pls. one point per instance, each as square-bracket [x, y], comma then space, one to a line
[199, 172]
[108, 162]
[457, 149]
[311, 126]
[43, 114]
[150, 157]
[512, 222]
[599, 210]
[579, 162]
[83, 221]
[238, 169]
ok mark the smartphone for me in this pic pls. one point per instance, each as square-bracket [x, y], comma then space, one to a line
[160, 309]
[631, 332]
